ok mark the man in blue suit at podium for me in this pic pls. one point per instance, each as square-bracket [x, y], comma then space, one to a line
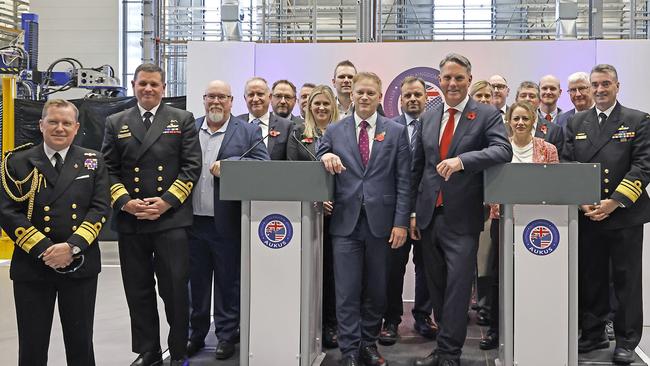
[371, 158]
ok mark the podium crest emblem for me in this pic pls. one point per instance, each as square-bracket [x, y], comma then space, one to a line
[541, 237]
[275, 231]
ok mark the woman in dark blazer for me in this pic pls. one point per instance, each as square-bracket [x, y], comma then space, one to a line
[321, 112]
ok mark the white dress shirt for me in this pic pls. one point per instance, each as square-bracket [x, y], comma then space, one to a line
[264, 125]
[49, 152]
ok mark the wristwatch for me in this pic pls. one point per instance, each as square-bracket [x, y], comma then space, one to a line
[75, 249]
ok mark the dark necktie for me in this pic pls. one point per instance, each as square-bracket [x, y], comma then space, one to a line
[364, 145]
[58, 164]
[147, 119]
[445, 143]
[603, 119]
[548, 117]
[416, 127]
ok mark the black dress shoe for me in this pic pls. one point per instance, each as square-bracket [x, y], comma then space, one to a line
[181, 362]
[609, 329]
[370, 356]
[237, 336]
[349, 361]
[588, 345]
[623, 356]
[432, 359]
[482, 318]
[148, 359]
[330, 336]
[491, 341]
[225, 350]
[388, 334]
[193, 347]
[425, 327]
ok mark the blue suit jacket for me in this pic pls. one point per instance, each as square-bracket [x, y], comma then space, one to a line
[554, 133]
[240, 136]
[563, 118]
[382, 187]
[479, 143]
[277, 145]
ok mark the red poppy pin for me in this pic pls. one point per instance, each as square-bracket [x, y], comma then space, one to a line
[380, 137]
[471, 116]
[274, 133]
[307, 140]
[543, 128]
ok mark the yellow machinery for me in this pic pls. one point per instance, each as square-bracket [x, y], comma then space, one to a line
[8, 95]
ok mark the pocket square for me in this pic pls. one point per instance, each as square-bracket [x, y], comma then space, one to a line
[82, 177]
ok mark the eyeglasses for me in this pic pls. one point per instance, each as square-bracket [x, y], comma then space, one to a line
[219, 97]
[283, 96]
[581, 89]
[499, 86]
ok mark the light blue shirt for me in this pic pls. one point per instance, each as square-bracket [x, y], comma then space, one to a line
[409, 125]
[203, 193]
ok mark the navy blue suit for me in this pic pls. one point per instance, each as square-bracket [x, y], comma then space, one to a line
[553, 134]
[369, 202]
[215, 244]
[399, 258]
[276, 144]
[564, 118]
[450, 232]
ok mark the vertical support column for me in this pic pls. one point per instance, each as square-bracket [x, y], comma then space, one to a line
[633, 19]
[506, 288]
[573, 286]
[245, 284]
[230, 20]
[150, 12]
[566, 14]
[367, 21]
[596, 19]
[8, 142]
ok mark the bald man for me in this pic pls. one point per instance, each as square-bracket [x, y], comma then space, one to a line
[550, 91]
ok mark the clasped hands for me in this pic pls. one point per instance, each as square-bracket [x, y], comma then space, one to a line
[601, 211]
[58, 256]
[147, 209]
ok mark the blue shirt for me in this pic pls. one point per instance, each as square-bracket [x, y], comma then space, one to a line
[203, 193]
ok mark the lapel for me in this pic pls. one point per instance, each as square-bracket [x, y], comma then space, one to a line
[69, 172]
[376, 145]
[136, 126]
[462, 125]
[431, 131]
[233, 124]
[153, 133]
[43, 164]
[604, 135]
[273, 124]
[350, 131]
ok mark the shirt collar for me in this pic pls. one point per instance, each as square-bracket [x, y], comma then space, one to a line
[504, 109]
[372, 120]
[49, 152]
[554, 113]
[608, 111]
[409, 118]
[207, 129]
[264, 118]
[152, 110]
[460, 107]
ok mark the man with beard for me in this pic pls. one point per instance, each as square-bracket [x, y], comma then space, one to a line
[550, 92]
[283, 99]
[500, 95]
[580, 96]
[275, 129]
[215, 234]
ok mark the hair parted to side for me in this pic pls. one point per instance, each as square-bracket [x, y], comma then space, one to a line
[528, 85]
[344, 63]
[60, 103]
[457, 59]
[284, 81]
[363, 75]
[149, 68]
[606, 68]
[413, 79]
[310, 122]
[530, 110]
[481, 84]
[579, 76]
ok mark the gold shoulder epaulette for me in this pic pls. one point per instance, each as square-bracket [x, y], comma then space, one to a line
[20, 148]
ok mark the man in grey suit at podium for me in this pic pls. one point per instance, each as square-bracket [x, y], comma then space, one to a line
[371, 158]
[458, 140]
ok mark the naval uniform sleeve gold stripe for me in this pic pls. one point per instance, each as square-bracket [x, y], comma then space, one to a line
[28, 238]
[629, 184]
[117, 190]
[87, 232]
[630, 194]
[181, 190]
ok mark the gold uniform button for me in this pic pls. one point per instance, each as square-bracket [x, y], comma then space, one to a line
[74, 228]
[46, 229]
[606, 171]
[136, 190]
[606, 180]
[136, 179]
[160, 179]
[160, 168]
[103, 220]
[159, 189]
[606, 190]
[46, 208]
[46, 218]
[136, 169]
[74, 216]
[74, 206]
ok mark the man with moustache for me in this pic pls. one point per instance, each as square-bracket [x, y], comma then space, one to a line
[580, 96]
[153, 157]
[550, 91]
[53, 203]
[215, 235]
[458, 140]
[342, 82]
[275, 129]
[550, 132]
[371, 159]
[611, 231]
[500, 94]
[283, 99]
[413, 100]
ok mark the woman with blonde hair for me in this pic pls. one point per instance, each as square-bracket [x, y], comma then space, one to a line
[481, 91]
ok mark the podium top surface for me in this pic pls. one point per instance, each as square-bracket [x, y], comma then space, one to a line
[274, 180]
[550, 184]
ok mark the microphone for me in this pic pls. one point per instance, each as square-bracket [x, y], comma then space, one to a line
[255, 145]
[303, 146]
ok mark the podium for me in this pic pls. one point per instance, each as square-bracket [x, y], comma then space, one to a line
[538, 266]
[281, 258]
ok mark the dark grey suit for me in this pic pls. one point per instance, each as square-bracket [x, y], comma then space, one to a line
[276, 145]
[550, 132]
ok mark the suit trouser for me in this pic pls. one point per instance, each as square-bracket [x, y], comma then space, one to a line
[398, 259]
[450, 261]
[164, 253]
[35, 309]
[329, 292]
[624, 248]
[360, 271]
[493, 260]
[211, 254]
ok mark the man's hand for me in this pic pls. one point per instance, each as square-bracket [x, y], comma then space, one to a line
[156, 206]
[415, 232]
[397, 237]
[332, 163]
[448, 167]
[134, 206]
[215, 168]
[603, 210]
[328, 206]
[58, 256]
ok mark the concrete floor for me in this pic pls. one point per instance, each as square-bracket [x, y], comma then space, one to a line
[113, 341]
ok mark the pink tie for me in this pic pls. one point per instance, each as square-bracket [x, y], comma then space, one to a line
[364, 148]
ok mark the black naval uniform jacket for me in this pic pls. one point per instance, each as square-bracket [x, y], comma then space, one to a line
[622, 147]
[163, 161]
[68, 207]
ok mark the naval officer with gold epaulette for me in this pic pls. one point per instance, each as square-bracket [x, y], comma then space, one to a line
[619, 139]
[154, 158]
[54, 201]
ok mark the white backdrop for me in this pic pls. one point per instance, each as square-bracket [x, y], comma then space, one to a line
[517, 61]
